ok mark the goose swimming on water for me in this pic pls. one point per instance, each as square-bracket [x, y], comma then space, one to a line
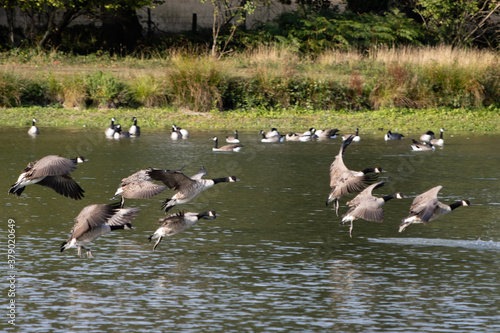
[440, 141]
[187, 188]
[134, 130]
[179, 222]
[95, 221]
[355, 137]
[393, 136]
[51, 171]
[233, 139]
[230, 147]
[33, 129]
[110, 131]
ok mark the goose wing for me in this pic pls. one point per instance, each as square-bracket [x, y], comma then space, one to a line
[141, 189]
[52, 165]
[92, 217]
[365, 195]
[425, 204]
[202, 172]
[173, 179]
[338, 168]
[64, 185]
[369, 210]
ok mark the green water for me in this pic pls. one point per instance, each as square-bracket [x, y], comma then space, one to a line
[276, 259]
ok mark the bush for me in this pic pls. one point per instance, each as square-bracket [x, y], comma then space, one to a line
[105, 90]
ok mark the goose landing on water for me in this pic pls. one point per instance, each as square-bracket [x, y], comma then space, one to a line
[187, 188]
[367, 207]
[138, 186]
[344, 181]
[426, 207]
[179, 222]
[51, 171]
[95, 221]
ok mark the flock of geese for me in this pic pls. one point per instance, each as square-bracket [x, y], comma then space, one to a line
[96, 220]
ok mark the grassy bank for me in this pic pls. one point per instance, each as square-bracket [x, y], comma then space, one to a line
[270, 78]
[486, 121]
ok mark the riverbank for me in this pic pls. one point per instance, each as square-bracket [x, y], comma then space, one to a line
[486, 121]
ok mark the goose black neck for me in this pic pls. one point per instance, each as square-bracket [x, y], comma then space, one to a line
[389, 197]
[455, 205]
[118, 227]
[368, 170]
[220, 180]
[441, 135]
[216, 143]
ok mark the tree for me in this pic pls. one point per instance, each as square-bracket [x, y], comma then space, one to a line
[49, 18]
[461, 22]
[228, 16]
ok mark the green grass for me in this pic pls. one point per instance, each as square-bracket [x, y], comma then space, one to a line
[485, 121]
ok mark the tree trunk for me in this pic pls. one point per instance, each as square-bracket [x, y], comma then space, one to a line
[121, 30]
[9, 12]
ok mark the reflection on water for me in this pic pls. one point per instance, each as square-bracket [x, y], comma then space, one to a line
[276, 259]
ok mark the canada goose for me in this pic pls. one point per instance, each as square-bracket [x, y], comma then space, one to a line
[295, 137]
[110, 131]
[134, 130]
[178, 222]
[368, 207]
[426, 207]
[356, 137]
[187, 188]
[95, 221]
[422, 146]
[343, 180]
[175, 134]
[231, 147]
[233, 139]
[273, 138]
[51, 171]
[184, 132]
[271, 133]
[325, 134]
[119, 133]
[427, 136]
[33, 129]
[393, 136]
[440, 141]
[138, 186]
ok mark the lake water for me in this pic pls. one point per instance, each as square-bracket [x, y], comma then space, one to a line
[276, 259]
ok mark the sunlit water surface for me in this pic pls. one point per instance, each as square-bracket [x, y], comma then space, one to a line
[276, 259]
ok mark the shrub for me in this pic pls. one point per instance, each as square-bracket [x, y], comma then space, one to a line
[105, 90]
[149, 91]
[196, 84]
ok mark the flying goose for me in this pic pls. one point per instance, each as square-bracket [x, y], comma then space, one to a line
[368, 207]
[184, 132]
[233, 139]
[325, 134]
[427, 136]
[231, 147]
[393, 136]
[33, 129]
[422, 146]
[51, 171]
[440, 141]
[119, 133]
[110, 131]
[356, 137]
[343, 180]
[426, 207]
[95, 221]
[135, 130]
[138, 186]
[187, 188]
[272, 138]
[178, 222]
